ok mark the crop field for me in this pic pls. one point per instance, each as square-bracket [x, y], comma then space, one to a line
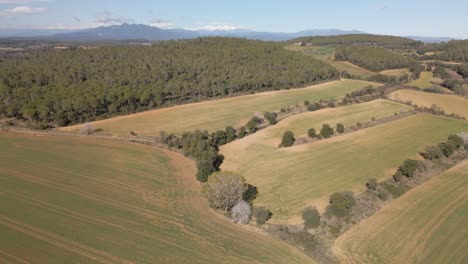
[424, 80]
[81, 200]
[325, 53]
[218, 114]
[426, 225]
[352, 69]
[395, 72]
[289, 179]
[448, 103]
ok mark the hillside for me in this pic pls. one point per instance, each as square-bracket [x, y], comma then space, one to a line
[359, 39]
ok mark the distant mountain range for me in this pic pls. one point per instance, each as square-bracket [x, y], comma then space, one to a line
[150, 33]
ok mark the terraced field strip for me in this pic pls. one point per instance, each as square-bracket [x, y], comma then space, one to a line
[83, 200]
[218, 114]
[352, 69]
[426, 225]
[289, 179]
[424, 81]
[395, 72]
[449, 103]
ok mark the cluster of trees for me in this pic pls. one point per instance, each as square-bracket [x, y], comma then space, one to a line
[74, 86]
[374, 59]
[444, 149]
[393, 42]
[454, 50]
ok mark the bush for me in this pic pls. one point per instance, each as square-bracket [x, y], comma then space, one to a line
[432, 153]
[339, 128]
[341, 203]
[383, 195]
[306, 103]
[204, 170]
[409, 167]
[288, 139]
[242, 132]
[311, 133]
[447, 148]
[398, 176]
[358, 124]
[262, 215]
[326, 131]
[241, 212]
[372, 184]
[252, 124]
[271, 117]
[331, 104]
[224, 190]
[230, 134]
[283, 110]
[456, 141]
[314, 107]
[311, 217]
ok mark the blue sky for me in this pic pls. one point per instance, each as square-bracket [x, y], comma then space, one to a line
[423, 18]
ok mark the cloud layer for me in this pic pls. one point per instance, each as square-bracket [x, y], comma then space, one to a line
[22, 10]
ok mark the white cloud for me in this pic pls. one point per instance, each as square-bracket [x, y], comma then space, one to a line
[21, 10]
[20, 1]
[162, 24]
[218, 26]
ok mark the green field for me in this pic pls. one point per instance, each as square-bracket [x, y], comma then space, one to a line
[352, 69]
[325, 53]
[290, 178]
[76, 200]
[449, 103]
[214, 115]
[395, 72]
[426, 225]
[424, 80]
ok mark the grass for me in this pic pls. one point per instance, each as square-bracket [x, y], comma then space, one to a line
[289, 179]
[426, 225]
[352, 69]
[214, 115]
[395, 72]
[448, 103]
[325, 53]
[77, 200]
[424, 80]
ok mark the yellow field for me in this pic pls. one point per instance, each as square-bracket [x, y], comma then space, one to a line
[82, 200]
[352, 69]
[424, 80]
[214, 115]
[395, 72]
[426, 225]
[289, 179]
[448, 103]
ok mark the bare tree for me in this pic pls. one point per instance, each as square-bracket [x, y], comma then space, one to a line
[241, 212]
[224, 189]
[87, 128]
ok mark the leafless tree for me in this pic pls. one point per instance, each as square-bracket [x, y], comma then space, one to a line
[87, 128]
[224, 189]
[241, 212]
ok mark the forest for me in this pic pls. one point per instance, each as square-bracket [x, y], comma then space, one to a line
[73, 86]
[374, 59]
[455, 50]
[392, 42]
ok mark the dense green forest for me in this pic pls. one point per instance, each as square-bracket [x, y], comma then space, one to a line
[454, 50]
[360, 39]
[79, 85]
[375, 59]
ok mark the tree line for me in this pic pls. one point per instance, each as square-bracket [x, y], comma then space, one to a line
[454, 50]
[74, 86]
[392, 42]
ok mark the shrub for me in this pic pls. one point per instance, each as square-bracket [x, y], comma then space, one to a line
[408, 168]
[456, 141]
[283, 110]
[252, 124]
[395, 191]
[433, 152]
[311, 217]
[326, 131]
[224, 190]
[262, 215]
[341, 203]
[339, 128]
[331, 104]
[271, 117]
[398, 176]
[306, 103]
[242, 132]
[372, 184]
[241, 212]
[383, 195]
[311, 133]
[313, 107]
[358, 124]
[288, 139]
[230, 134]
[319, 137]
[447, 148]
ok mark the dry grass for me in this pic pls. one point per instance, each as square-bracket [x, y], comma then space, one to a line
[395, 72]
[352, 69]
[449, 103]
[214, 115]
[65, 200]
[290, 178]
[426, 225]
[424, 81]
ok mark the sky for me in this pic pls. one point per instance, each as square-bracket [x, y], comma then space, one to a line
[410, 17]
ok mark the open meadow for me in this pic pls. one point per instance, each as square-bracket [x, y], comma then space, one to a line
[395, 72]
[82, 200]
[352, 69]
[325, 53]
[289, 179]
[424, 81]
[426, 225]
[214, 115]
[449, 103]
